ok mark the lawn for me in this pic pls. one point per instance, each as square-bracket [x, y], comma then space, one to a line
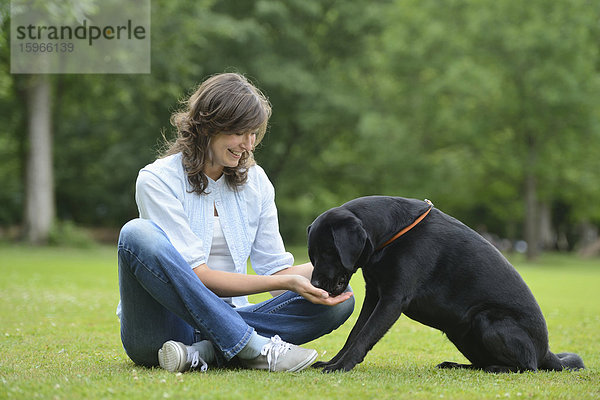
[60, 340]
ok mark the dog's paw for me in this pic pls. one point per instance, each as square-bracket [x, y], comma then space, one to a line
[320, 364]
[341, 367]
[500, 369]
[448, 364]
[330, 368]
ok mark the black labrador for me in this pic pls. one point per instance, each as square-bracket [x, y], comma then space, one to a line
[438, 272]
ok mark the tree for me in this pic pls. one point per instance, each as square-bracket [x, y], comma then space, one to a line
[11, 127]
[39, 204]
[503, 84]
[458, 101]
[39, 189]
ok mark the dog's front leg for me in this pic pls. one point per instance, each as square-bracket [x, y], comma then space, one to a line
[386, 312]
[371, 300]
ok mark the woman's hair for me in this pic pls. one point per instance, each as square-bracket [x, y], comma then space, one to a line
[225, 103]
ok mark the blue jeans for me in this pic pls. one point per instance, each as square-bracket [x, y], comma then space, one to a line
[163, 299]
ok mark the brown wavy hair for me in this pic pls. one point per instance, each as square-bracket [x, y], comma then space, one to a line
[223, 104]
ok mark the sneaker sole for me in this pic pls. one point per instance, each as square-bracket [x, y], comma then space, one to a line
[305, 363]
[171, 356]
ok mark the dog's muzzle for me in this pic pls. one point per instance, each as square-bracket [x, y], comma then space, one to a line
[334, 287]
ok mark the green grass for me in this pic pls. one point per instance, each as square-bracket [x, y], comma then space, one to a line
[60, 340]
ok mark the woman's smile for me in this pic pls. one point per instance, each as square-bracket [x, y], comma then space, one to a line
[236, 154]
[226, 150]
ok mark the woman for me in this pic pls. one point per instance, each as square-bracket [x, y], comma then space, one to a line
[205, 208]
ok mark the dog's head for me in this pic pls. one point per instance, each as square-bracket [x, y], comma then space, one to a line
[337, 246]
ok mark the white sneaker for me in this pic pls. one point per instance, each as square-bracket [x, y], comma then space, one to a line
[177, 357]
[278, 355]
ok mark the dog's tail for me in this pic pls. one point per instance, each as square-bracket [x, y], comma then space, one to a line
[561, 361]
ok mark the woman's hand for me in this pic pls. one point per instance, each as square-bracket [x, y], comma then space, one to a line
[233, 284]
[301, 285]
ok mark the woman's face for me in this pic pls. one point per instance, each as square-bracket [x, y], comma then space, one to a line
[226, 150]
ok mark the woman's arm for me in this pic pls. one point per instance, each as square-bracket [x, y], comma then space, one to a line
[228, 284]
[304, 270]
[156, 198]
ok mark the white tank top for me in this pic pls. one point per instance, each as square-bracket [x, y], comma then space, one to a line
[220, 257]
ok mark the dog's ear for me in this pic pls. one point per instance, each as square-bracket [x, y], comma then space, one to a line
[351, 242]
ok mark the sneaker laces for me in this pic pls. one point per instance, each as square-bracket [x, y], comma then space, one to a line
[275, 348]
[193, 355]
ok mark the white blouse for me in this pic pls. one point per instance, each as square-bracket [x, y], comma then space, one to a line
[248, 215]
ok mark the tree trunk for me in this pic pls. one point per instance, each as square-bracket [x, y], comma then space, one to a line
[39, 181]
[531, 220]
[547, 236]
[589, 243]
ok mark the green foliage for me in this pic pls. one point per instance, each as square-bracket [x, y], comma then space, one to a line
[67, 234]
[492, 92]
[60, 339]
[456, 101]
[11, 132]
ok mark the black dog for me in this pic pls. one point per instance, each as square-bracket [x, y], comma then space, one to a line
[440, 273]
